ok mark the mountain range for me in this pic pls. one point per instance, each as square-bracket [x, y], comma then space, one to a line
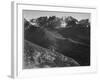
[72, 40]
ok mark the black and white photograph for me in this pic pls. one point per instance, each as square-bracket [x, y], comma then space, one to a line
[56, 39]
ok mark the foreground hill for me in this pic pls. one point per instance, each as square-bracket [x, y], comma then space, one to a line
[39, 57]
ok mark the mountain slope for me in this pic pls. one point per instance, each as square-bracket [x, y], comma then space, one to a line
[39, 57]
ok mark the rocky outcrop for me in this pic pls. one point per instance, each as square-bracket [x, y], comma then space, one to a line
[39, 57]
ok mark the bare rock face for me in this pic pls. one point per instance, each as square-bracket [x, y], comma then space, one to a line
[39, 57]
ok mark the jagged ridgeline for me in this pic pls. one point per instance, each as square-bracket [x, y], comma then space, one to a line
[64, 36]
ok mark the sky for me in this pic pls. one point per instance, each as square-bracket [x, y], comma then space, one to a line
[30, 14]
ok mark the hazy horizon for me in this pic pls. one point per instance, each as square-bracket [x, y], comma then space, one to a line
[29, 14]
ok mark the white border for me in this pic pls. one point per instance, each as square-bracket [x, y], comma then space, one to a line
[17, 36]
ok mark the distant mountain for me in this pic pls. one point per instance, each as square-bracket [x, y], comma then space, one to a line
[85, 23]
[26, 24]
[71, 20]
